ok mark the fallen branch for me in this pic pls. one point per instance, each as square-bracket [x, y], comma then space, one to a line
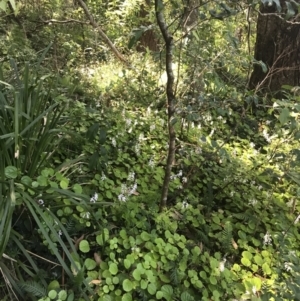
[63, 21]
[101, 32]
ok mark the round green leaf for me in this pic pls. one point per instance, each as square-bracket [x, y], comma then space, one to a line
[53, 285]
[136, 275]
[213, 280]
[26, 180]
[84, 246]
[127, 263]
[127, 297]
[62, 295]
[64, 183]
[113, 268]
[90, 264]
[247, 255]
[246, 262]
[159, 295]
[77, 188]
[11, 172]
[52, 294]
[127, 285]
[145, 236]
[151, 288]
[167, 289]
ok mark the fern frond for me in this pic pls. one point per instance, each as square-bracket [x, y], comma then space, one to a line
[34, 288]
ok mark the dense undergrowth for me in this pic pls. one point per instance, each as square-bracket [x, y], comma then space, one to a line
[83, 152]
[85, 218]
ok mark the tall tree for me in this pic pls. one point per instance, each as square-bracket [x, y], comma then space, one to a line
[277, 49]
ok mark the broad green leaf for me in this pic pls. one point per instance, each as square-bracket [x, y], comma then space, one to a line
[11, 172]
[90, 264]
[145, 236]
[185, 296]
[77, 188]
[136, 275]
[64, 183]
[127, 285]
[152, 288]
[3, 5]
[113, 268]
[213, 280]
[127, 297]
[247, 255]
[246, 262]
[52, 294]
[266, 268]
[13, 4]
[84, 246]
[53, 285]
[284, 116]
[62, 295]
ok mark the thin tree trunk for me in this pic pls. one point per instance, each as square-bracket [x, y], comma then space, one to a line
[170, 99]
[101, 32]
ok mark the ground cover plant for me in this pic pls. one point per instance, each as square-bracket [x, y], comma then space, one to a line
[141, 158]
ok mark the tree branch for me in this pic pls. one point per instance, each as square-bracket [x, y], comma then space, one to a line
[170, 99]
[101, 32]
[63, 21]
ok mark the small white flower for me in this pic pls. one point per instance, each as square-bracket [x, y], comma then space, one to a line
[114, 142]
[151, 163]
[131, 176]
[133, 188]
[198, 151]
[122, 197]
[222, 265]
[252, 144]
[267, 238]
[103, 177]
[141, 137]
[41, 202]
[266, 136]
[128, 122]
[59, 233]
[137, 148]
[86, 215]
[288, 266]
[185, 204]
[184, 179]
[123, 189]
[94, 198]
[297, 219]
[179, 173]
[253, 202]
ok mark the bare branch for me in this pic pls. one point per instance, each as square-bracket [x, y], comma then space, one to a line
[101, 32]
[63, 21]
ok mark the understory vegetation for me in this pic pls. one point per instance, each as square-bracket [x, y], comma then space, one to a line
[84, 142]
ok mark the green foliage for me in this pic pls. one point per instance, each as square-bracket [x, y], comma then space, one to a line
[83, 155]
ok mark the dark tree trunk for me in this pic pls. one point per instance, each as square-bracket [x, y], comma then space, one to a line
[278, 47]
[148, 39]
